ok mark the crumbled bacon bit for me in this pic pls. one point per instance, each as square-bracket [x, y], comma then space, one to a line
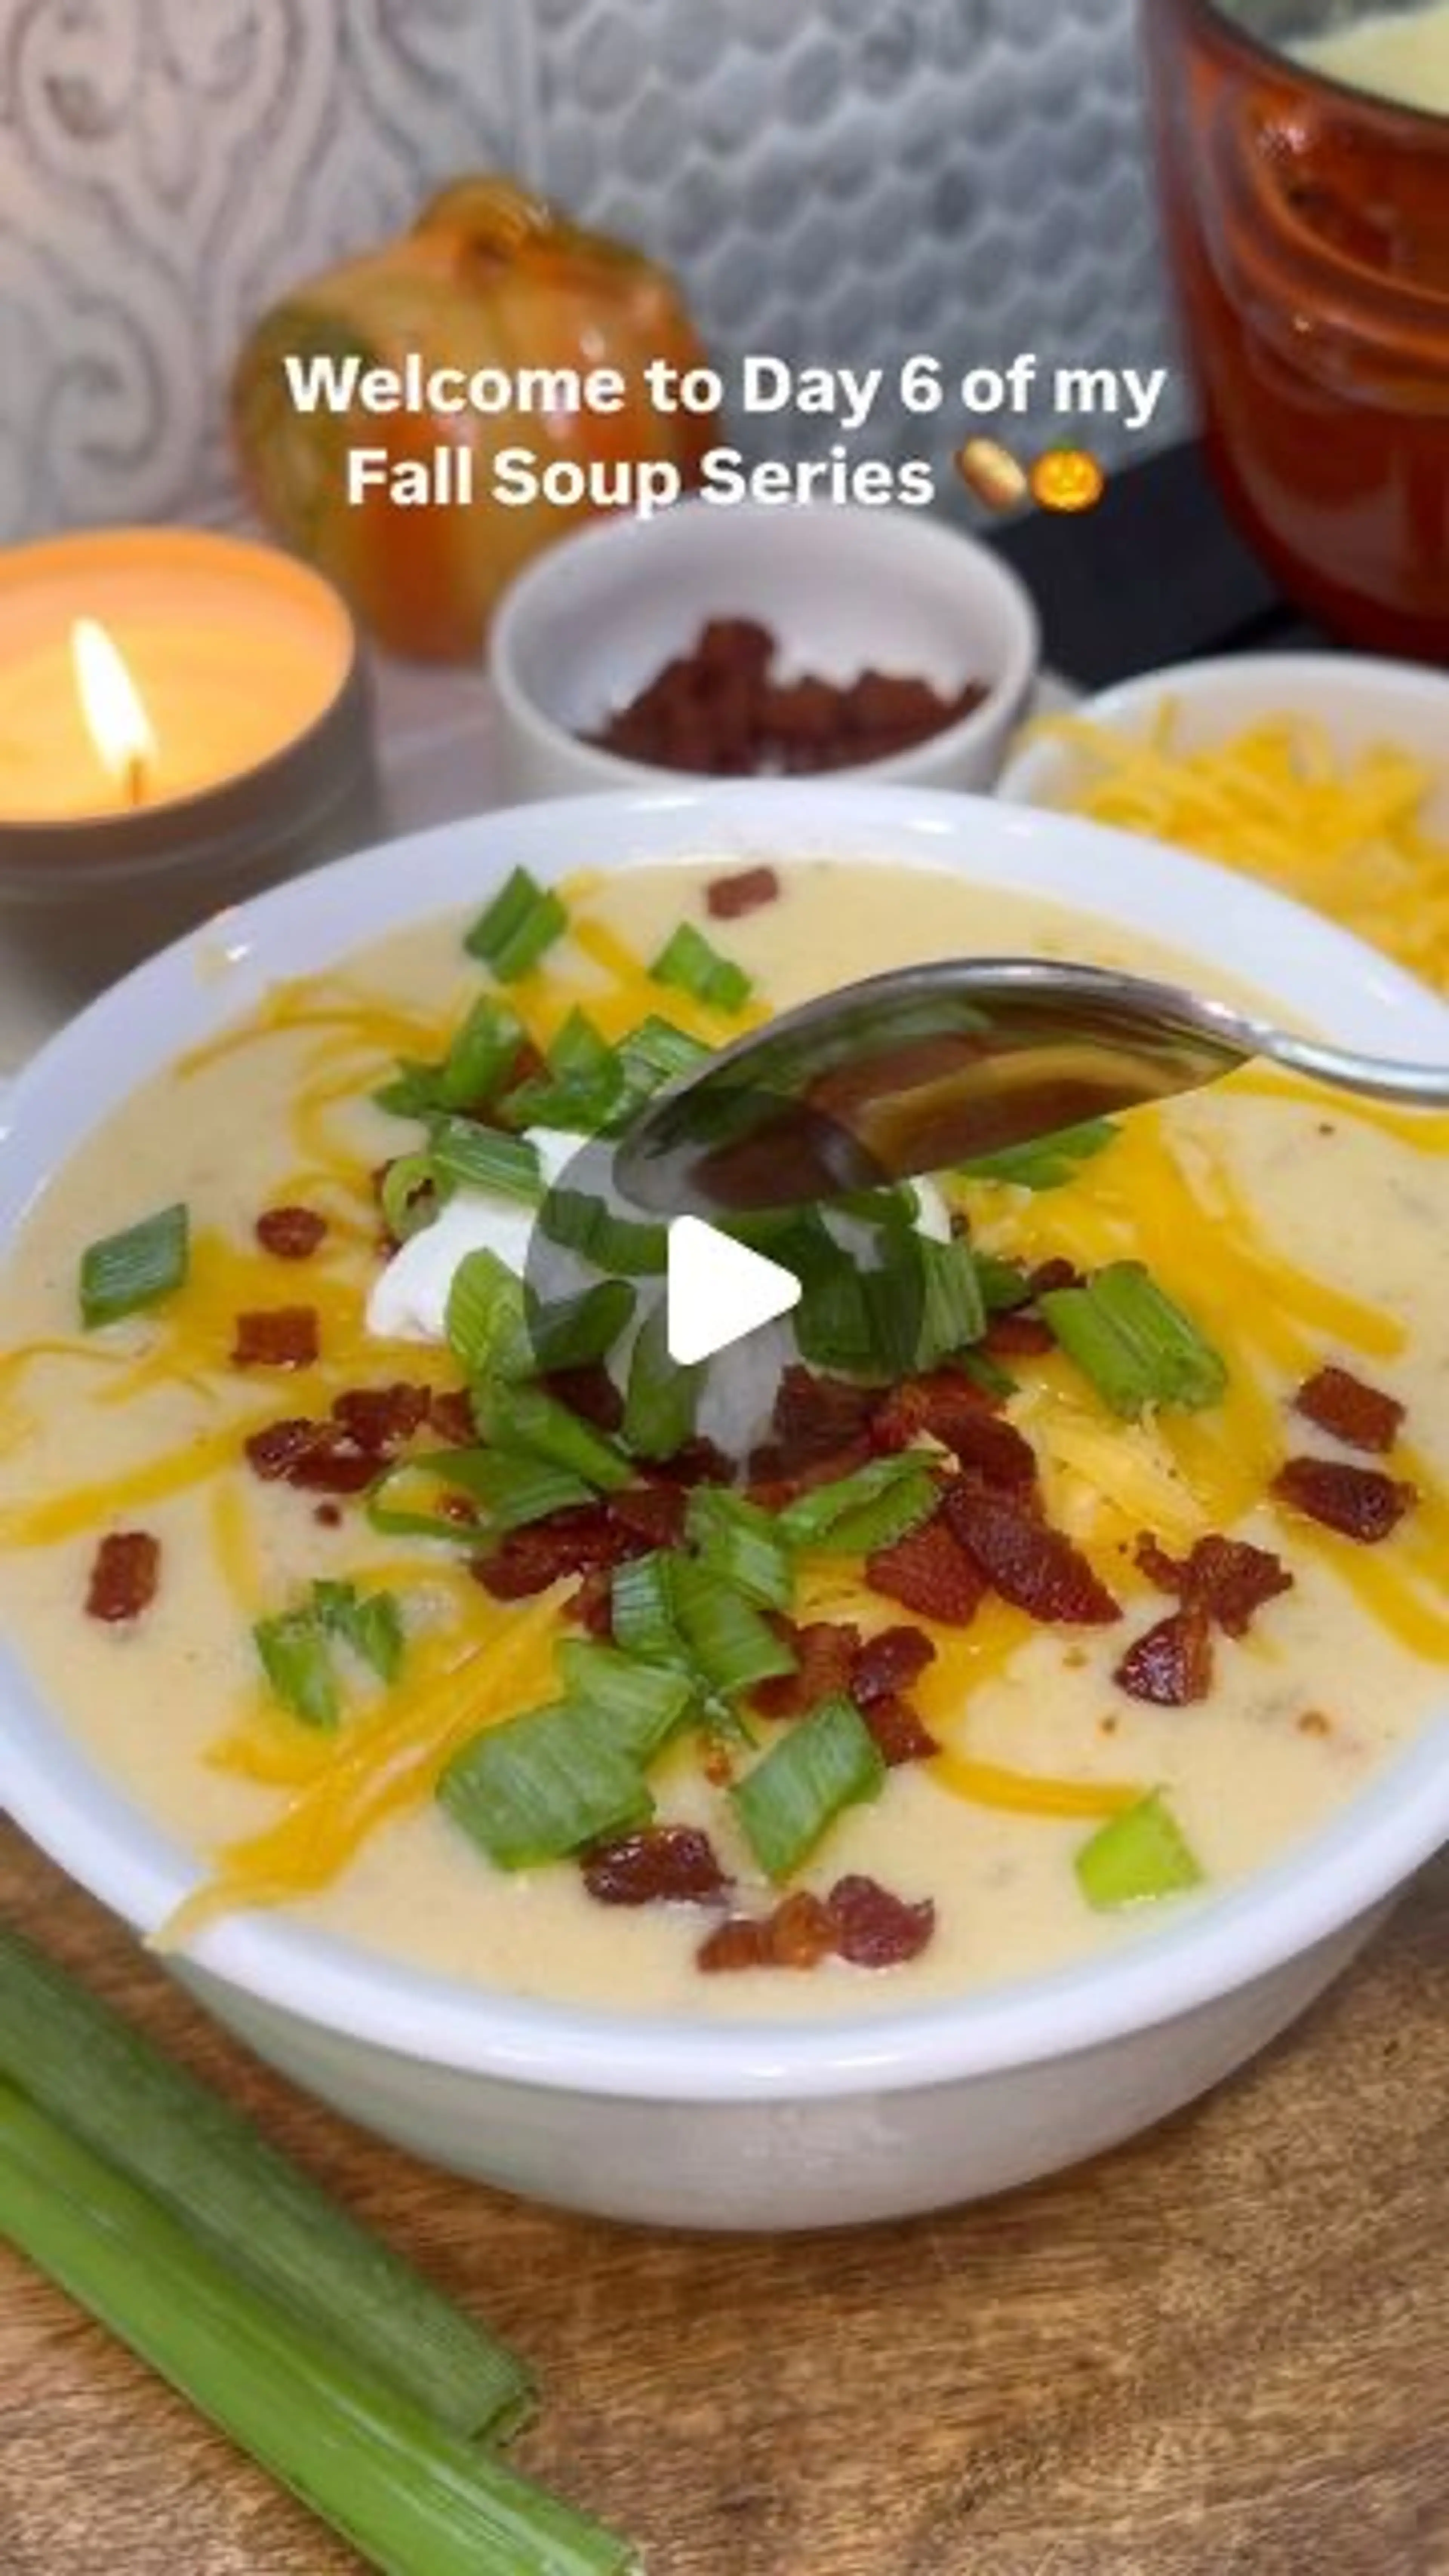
[652, 1514]
[859, 1921]
[699, 1462]
[583, 1539]
[381, 1418]
[593, 1605]
[1050, 1277]
[929, 1572]
[1357, 1502]
[1224, 1576]
[874, 1929]
[328, 1515]
[996, 1452]
[125, 1575]
[946, 1405]
[317, 1457]
[817, 1415]
[1019, 1336]
[891, 1661]
[661, 1865]
[579, 1540]
[589, 1392]
[341, 1456]
[291, 1233]
[900, 1732]
[778, 1475]
[450, 1414]
[1035, 1568]
[280, 1337]
[799, 1934]
[1362, 1417]
[730, 898]
[1170, 1665]
[825, 1654]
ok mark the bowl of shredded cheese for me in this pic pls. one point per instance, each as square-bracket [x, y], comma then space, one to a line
[1324, 775]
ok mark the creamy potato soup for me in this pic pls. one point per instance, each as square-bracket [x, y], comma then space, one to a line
[1110, 1591]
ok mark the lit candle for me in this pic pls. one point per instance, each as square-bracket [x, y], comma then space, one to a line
[183, 718]
[115, 719]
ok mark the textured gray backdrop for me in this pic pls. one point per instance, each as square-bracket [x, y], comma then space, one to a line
[838, 180]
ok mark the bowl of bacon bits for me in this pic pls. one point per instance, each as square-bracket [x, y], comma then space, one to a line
[758, 641]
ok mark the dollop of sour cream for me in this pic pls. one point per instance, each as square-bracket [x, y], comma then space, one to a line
[409, 1299]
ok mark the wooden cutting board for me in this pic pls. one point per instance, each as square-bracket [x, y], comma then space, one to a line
[1222, 2351]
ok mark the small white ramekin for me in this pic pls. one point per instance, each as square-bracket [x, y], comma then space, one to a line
[843, 589]
[688, 2122]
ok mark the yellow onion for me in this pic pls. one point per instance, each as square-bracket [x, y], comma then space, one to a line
[488, 278]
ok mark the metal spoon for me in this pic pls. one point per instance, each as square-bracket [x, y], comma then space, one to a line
[914, 1071]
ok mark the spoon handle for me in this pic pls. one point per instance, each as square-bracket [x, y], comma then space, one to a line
[1422, 1086]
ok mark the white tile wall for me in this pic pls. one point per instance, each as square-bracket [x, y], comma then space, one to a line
[837, 180]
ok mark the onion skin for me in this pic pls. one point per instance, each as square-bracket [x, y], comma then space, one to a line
[488, 277]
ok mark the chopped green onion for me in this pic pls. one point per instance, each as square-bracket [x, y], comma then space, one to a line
[825, 1763]
[737, 1540]
[807, 1521]
[518, 926]
[986, 1373]
[543, 1786]
[902, 1507]
[662, 1398]
[800, 1241]
[580, 1089]
[1004, 1285]
[1137, 1858]
[481, 1158]
[484, 1321]
[651, 1055]
[293, 1652]
[1135, 1345]
[370, 1623]
[729, 1642]
[123, 1272]
[688, 962]
[641, 1606]
[484, 1048]
[415, 1090]
[834, 1328]
[1045, 1162]
[580, 1053]
[512, 1488]
[388, 2476]
[622, 1246]
[524, 1417]
[639, 1704]
[954, 1310]
[576, 1330]
[411, 1196]
[254, 2210]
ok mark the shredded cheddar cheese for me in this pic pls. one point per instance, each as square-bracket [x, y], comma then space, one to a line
[1350, 838]
[383, 1767]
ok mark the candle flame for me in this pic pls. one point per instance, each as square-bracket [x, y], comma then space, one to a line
[111, 704]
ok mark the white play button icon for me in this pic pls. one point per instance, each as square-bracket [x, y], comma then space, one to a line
[718, 1291]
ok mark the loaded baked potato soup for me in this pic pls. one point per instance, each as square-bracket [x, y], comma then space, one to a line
[455, 1617]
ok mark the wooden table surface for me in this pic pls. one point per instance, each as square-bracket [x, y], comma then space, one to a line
[1223, 2351]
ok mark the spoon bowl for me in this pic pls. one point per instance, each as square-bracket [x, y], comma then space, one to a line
[914, 1071]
